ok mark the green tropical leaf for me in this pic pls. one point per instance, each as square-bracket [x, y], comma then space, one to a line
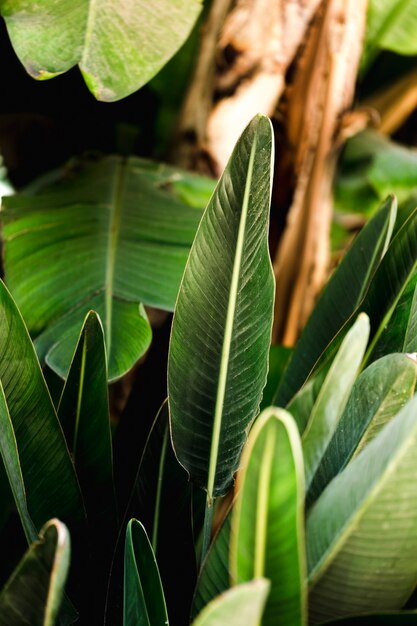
[391, 25]
[378, 394]
[399, 618]
[278, 361]
[243, 604]
[363, 528]
[130, 232]
[214, 577]
[333, 396]
[118, 46]
[221, 330]
[339, 300]
[49, 477]
[83, 411]
[144, 602]
[33, 594]
[267, 537]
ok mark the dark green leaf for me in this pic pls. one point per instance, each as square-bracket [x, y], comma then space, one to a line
[403, 618]
[278, 360]
[33, 594]
[144, 602]
[268, 518]
[222, 323]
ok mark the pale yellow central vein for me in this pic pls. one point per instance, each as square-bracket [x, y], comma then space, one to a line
[262, 506]
[227, 340]
[114, 229]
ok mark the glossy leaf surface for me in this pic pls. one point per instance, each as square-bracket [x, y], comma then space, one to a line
[221, 331]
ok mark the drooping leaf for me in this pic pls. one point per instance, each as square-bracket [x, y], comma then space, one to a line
[363, 526]
[333, 396]
[163, 504]
[222, 322]
[339, 299]
[268, 518]
[106, 235]
[214, 577]
[84, 415]
[377, 395]
[119, 46]
[392, 26]
[33, 594]
[243, 604]
[144, 602]
[49, 478]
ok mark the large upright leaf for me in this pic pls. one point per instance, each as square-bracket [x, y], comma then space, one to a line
[243, 604]
[221, 331]
[362, 529]
[333, 396]
[106, 235]
[377, 395]
[339, 299]
[392, 26]
[144, 603]
[33, 594]
[48, 474]
[268, 518]
[119, 45]
[84, 415]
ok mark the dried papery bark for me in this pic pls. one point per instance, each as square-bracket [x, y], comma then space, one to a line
[394, 104]
[321, 92]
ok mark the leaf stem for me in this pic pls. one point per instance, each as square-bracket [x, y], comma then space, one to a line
[207, 526]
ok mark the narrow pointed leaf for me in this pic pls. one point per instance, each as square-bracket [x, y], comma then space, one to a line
[378, 395]
[144, 602]
[48, 474]
[129, 231]
[33, 594]
[84, 415]
[243, 604]
[339, 299]
[333, 396]
[119, 46]
[221, 331]
[365, 523]
[268, 518]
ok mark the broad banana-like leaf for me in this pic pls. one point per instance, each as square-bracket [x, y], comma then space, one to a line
[107, 235]
[339, 300]
[49, 477]
[221, 331]
[378, 395]
[214, 577]
[243, 604]
[83, 411]
[33, 594]
[118, 46]
[391, 25]
[267, 537]
[362, 529]
[333, 396]
[163, 504]
[10, 455]
[144, 602]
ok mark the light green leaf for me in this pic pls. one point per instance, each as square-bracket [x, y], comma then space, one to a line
[391, 25]
[267, 537]
[49, 478]
[119, 46]
[33, 594]
[333, 396]
[378, 394]
[222, 322]
[362, 529]
[243, 604]
[144, 603]
[340, 298]
[83, 411]
[105, 235]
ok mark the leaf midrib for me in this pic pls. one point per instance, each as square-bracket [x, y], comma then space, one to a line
[227, 339]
